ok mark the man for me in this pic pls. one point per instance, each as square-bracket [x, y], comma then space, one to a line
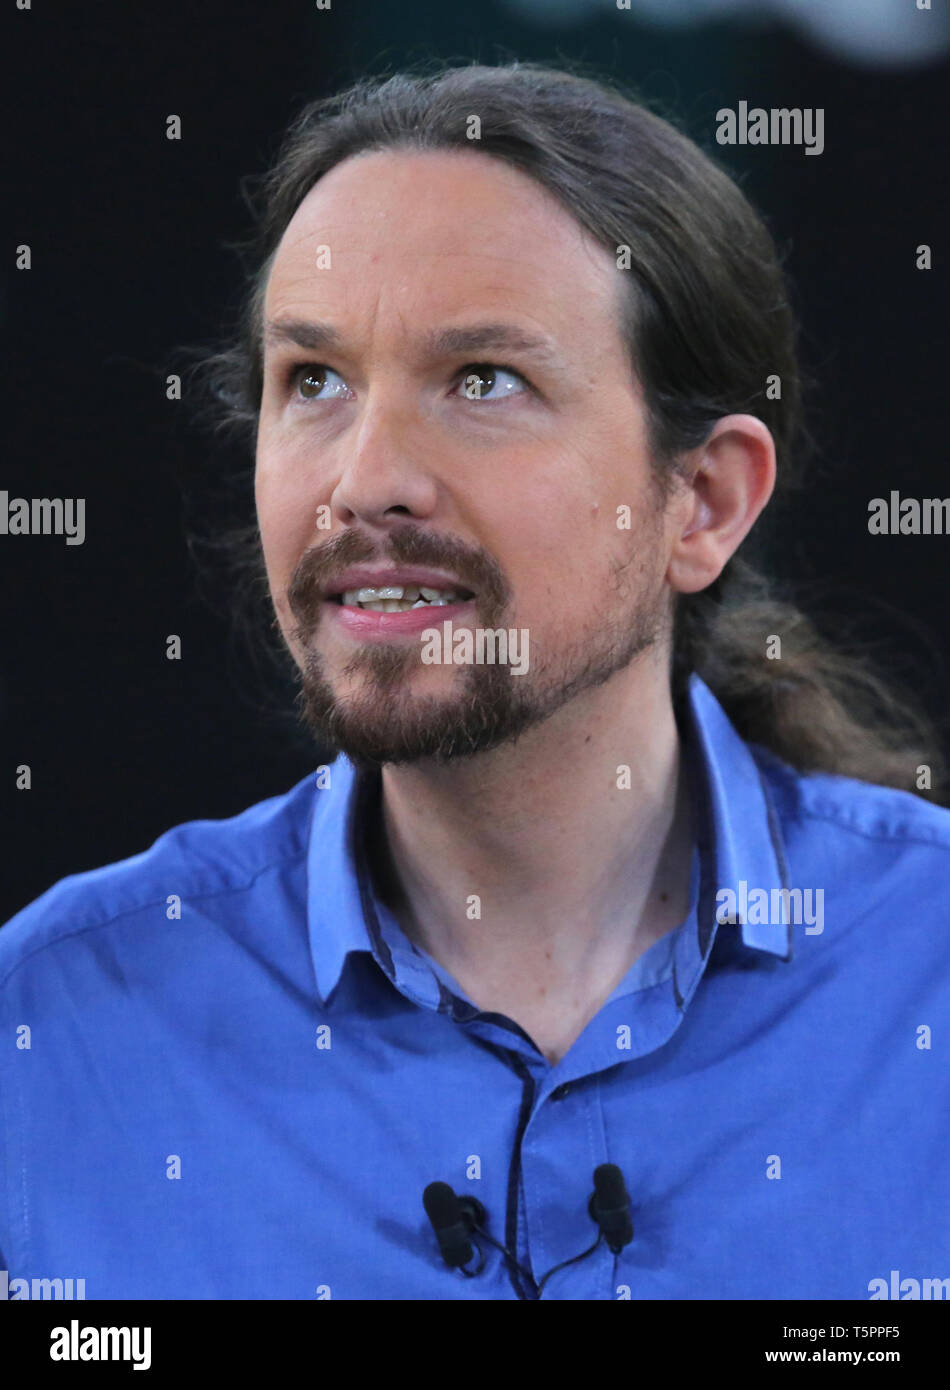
[610, 907]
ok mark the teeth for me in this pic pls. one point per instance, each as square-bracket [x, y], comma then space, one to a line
[398, 598]
[400, 605]
[388, 591]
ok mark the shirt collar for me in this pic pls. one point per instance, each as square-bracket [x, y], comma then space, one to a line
[735, 824]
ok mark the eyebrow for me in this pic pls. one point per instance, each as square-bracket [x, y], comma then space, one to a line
[440, 342]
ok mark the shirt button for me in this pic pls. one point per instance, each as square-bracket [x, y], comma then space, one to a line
[561, 1091]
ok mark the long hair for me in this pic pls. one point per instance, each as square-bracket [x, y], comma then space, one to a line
[709, 331]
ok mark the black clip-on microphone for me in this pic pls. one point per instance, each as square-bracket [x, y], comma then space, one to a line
[457, 1220]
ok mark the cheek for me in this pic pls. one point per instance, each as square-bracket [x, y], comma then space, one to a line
[286, 517]
[562, 536]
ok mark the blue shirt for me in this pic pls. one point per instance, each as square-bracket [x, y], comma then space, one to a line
[226, 1073]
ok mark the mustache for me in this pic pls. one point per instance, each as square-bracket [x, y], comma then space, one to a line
[408, 545]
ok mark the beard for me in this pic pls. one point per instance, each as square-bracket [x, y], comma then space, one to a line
[487, 706]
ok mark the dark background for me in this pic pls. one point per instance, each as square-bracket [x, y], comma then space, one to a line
[128, 234]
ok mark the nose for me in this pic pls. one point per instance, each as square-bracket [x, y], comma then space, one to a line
[384, 474]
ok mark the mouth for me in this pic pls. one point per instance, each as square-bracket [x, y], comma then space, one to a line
[395, 610]
[400, 598]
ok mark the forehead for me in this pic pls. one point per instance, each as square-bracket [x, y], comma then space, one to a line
[443, 231]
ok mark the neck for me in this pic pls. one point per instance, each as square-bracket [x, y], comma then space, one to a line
[574, 876]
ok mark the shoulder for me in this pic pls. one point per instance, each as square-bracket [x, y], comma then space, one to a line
[881, 852]
[197, 859]
[851, 810]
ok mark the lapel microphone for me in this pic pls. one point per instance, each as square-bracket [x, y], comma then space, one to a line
[459, 1224]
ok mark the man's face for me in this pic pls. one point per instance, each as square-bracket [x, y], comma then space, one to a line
[499, 469]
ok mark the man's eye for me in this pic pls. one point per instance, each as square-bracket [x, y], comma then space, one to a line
[310, 378]
[311, 381]
[480, 379]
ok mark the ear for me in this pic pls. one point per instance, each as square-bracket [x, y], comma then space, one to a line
[732, 478]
